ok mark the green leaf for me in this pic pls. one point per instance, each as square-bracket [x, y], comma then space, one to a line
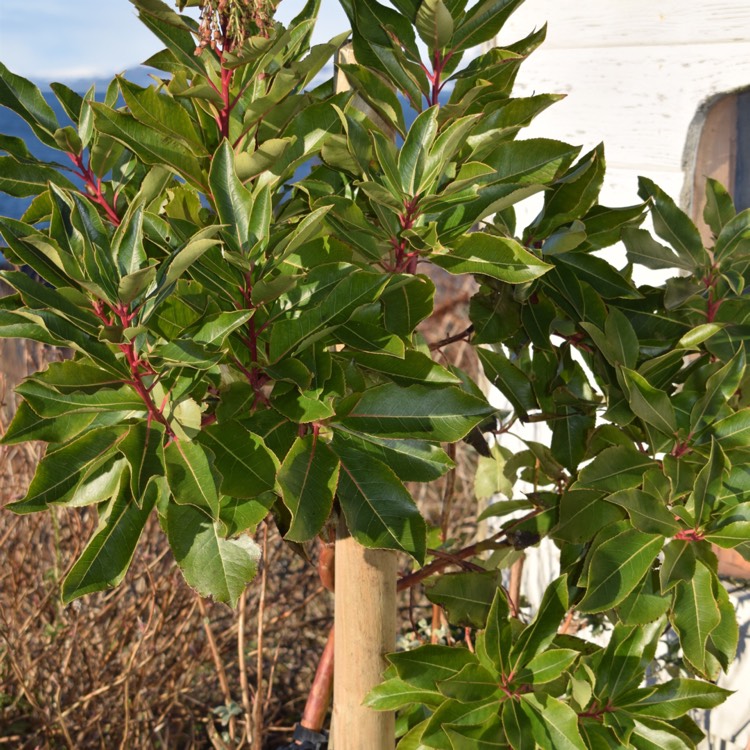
[719, 209]
[466, 597]
[724, 638]
[107, 556]
[695, 614]
[408, 304]
[617, 468]
[676, 698]
[571, 196]
[707, 485]
[482, 22]
[451, 714]
[651, 404]
[485, 736]
[554, 724]
[540, 632]
[394, 693]
[353, 291]
[513, 382]
[47, 401]
[733, 431]
[494, 649]
[473, 683]
[233, 201]
[548, 665]
[148, 144]
[517, 726]
[308, 478]
[411, 460]
[498, 257]
[434, 24]
[642, 248]
[22, 180]
[570, 436]
[416, 412]
[424, 667]
[720, 387]
[379, 510]
[28, 425]
[583, 513]
[627, 655]
[247, 467]
[673, 225]
[190, 476]
[25, 99]
[143, 447]
[413, 154]
[60, 471]
[647, 513]
[734, 238]
[617, 566]
[644, 604]
[678, 564]
[413, 368]
[212, 565]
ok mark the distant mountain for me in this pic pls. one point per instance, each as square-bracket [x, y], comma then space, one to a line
[140, 75]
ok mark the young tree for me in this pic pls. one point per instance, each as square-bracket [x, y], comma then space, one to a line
[234, 258]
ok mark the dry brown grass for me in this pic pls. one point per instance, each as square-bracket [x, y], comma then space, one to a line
[140, 667]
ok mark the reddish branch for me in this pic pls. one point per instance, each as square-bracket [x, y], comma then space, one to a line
[120, 315]
[93, 187]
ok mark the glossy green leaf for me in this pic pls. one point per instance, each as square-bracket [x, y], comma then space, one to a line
[107, 556]
[212, 565]
[25, 99]
[509, 379]
[308, 477]
[647, 513]
[434, 23]
[191, 477]
[413, 154]
[651, 404]
[695, 614]
[617, 566]
[719, 208]
[466, 597]
[498, 257]
[60, 471]
[247, 467]
[678, 564]
[616, 468]
[416, 412]
[473, 683]
[554, 724]
[675, 698]
[548, 665]
[394, 693]
[424, 667]
[672, 224]
[143, 447]
[379, 510]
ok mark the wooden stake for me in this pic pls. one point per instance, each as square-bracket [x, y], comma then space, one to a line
[365, 617]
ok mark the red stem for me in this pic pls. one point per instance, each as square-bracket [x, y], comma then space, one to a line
[94, 187]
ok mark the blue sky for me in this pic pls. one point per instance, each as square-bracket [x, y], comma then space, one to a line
[64, 39]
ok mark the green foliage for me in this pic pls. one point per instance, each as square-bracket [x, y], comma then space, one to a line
[238, 282]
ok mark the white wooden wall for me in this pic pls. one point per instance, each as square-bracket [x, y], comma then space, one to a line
[636, 73]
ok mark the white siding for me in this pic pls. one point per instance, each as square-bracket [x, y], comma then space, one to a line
[635, 74]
